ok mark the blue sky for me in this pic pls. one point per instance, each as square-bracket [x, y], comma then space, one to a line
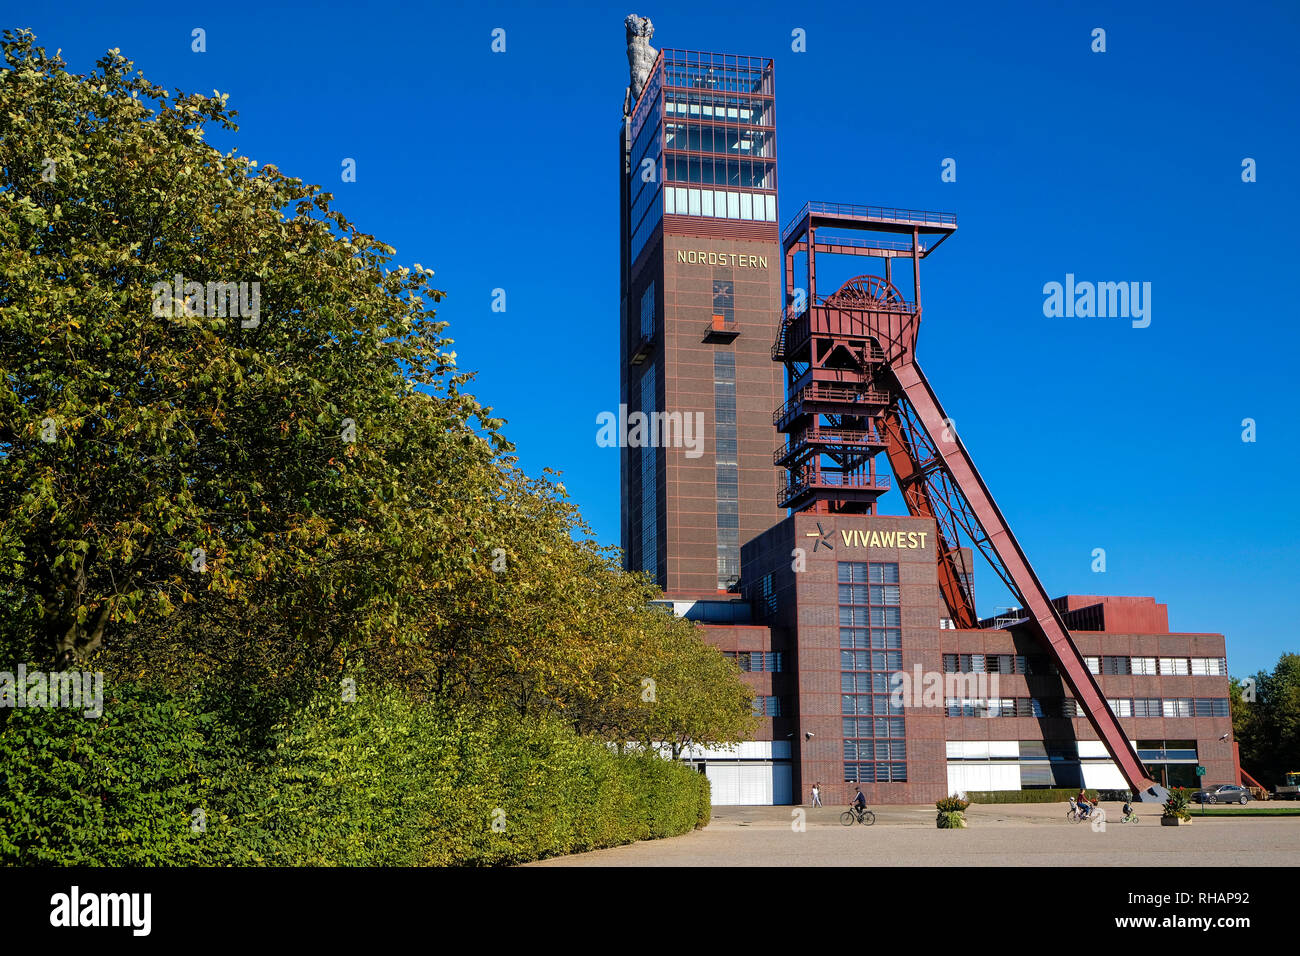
[498, 171]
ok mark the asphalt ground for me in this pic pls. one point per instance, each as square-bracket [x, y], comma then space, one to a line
[996, 835]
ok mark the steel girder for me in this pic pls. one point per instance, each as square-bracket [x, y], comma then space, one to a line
[941, 482]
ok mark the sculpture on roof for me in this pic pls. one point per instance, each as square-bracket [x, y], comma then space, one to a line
[640, 58]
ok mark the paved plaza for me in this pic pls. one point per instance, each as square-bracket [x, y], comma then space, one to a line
[998, 835]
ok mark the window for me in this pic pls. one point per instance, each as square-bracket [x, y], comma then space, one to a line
[767, 706]
[770, 661]
[1147, 707]
[1174, 665]
[999, 663]
[724, 301]
[1115, 665]
[768, 596]
[1177, 706]
[1209, 666]
[875, 748]
[726, 468]
[1094, 664]
[1143, 665]
[1121, 708]
[1211, 707]
[648, 311]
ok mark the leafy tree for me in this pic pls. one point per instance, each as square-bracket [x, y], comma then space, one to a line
[1267, 729]
[157, 461]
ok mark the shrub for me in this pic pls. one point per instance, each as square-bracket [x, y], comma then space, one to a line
[952, 804]
[1054, 795]
[109, 791]
[381, 781]
[951, 820]
[1176, 805]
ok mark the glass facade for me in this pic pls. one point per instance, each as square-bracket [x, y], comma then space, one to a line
[648, 311]
[703, 142]
[649, 483]
[875, 748]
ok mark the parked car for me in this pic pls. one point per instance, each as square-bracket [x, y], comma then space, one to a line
[1223, 793]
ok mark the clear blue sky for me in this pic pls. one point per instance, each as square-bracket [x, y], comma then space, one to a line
[499, 170]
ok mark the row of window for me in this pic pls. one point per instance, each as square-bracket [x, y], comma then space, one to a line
[868, 572]
[1069, 707]
[997, 664]
[697, 106]
[872, 727]
[854, 705]
[691, 170]
[728, 138]
[875, 772]
[877, 637]
[1165, 666]
[757, 660]
[858, 594]
[719, 204]
[875, 750]
[767, 706]
[1108, 664]
[888, 661]
[1059, 751]
[872, 616]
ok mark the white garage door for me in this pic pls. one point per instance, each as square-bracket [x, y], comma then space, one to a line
[749, 784]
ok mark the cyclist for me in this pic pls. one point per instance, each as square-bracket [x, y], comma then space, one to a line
[1085, 806]
[859, 802]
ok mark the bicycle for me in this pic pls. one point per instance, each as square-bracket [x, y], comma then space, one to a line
[852, 814]
[1129, 816]
[1074, 815]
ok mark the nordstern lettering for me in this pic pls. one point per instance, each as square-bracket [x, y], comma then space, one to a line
[734, 259]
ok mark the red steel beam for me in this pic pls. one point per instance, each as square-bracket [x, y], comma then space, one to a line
[1044, 618]
[916, 493]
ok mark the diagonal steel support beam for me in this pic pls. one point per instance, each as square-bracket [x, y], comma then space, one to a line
[1044, 619]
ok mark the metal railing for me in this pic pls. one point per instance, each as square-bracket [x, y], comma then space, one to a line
[804, 483]
[827, 436]
[818, 392]
[881, 213]
[864, 243]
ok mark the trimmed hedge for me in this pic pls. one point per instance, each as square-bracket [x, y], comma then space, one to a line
[381, 781]
[1043, 796]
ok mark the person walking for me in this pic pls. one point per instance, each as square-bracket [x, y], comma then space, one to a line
[817, 795]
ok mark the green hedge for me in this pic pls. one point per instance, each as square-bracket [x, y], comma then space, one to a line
[1041, 796]
[381, 781]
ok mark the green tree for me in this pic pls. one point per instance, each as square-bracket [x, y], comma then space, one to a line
[248, 465]
[1267, 728]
